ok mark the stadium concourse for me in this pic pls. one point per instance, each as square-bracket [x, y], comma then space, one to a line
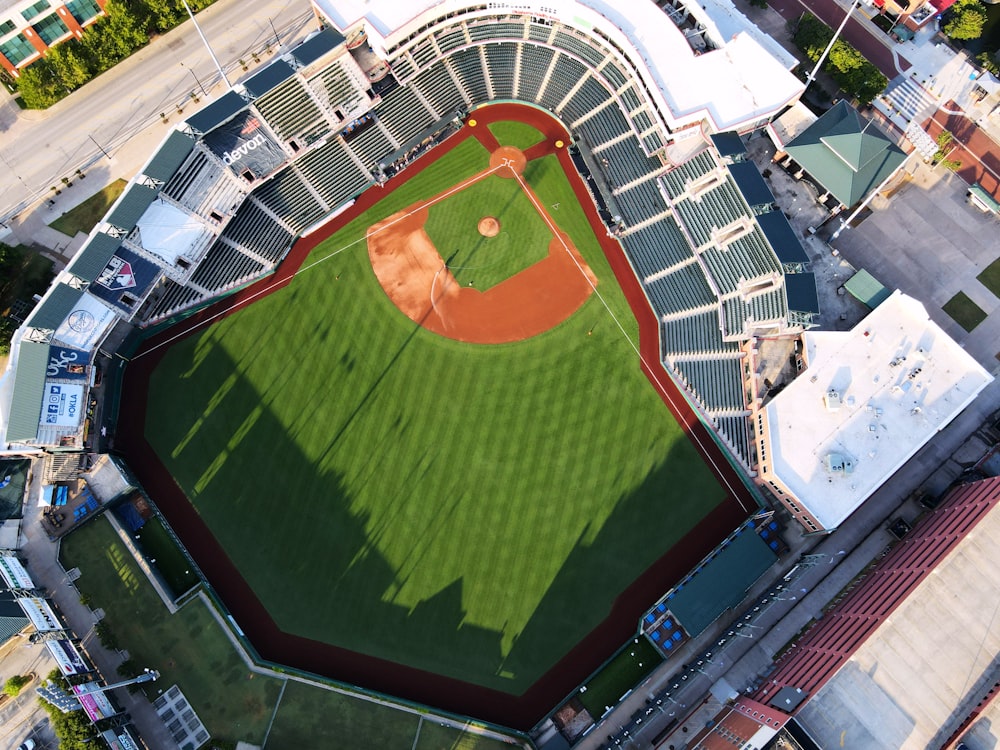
[230, 204]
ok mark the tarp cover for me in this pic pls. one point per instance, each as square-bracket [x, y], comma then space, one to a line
[243, 144]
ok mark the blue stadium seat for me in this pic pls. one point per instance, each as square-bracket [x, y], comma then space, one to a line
[661, 607]
[667, 645]
[655, 636]
[650, 618]
[677, 635]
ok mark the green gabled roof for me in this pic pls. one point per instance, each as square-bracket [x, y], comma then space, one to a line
[29, 388]
[11, 626]
[845, 153]
[53, 310]
[867, 289]
[94, 256]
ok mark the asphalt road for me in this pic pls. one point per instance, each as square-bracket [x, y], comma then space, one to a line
[39, 148]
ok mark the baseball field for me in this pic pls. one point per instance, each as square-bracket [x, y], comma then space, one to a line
[468, 510]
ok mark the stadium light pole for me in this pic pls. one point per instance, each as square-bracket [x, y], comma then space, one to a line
[207, 46]
[836, 35]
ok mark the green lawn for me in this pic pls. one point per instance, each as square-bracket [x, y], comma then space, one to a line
[523, 240]
[170, 561]
[84, 217]
[434, 736]
[471, 510]
[619, 675]
[188, 648]
[517, 134]
[964, 311]
[990, 277]
[307, 715]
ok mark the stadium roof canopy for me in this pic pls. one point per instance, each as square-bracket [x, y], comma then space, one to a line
[217, 112]
[751, 184]
[728, 143]
[721, 582]
[52, 310]
[269, 76]
[743, 80]
[905, 659]
[867, 401]
[29, 386]
[131, 206]
[846, 153]
[169, 157]
[94, 256]
[782, 237]
[800, 288]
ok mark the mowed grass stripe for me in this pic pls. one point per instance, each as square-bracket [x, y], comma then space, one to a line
[517, 134]
[470, 510]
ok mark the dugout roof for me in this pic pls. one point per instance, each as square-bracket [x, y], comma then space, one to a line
[721, 582]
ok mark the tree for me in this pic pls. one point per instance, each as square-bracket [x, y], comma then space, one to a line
[966, 19]
[988, 63]
[39, 87]
[69, 64]
[848, 67]
[162, 15]
[14, 684]
[121, 31]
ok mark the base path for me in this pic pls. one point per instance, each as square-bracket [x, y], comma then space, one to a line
[270, 643]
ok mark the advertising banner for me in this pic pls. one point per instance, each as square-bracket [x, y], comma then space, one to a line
[14, 574]
[245, 146]
[126, 273]
[40, 613]
[96, 705]
[86, 325]
[67, 657]
[67, 364]
[62, 405]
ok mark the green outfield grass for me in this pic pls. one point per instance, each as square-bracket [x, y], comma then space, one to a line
[169, 559]
[517, 134]
[466, 509]
[486, 261]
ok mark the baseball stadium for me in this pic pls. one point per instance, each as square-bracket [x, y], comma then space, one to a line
[427, 339]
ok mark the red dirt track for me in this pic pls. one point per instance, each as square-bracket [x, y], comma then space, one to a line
[271, 644]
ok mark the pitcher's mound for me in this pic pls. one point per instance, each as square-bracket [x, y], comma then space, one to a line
[489, 226]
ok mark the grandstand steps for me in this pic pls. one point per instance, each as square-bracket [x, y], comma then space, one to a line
[423, 100]
[638, 180]
[518, 56]
[706, 308]
[385, 131]
[595, 111]
[310, 188]
[607, 144]
[703, 356]
[633, 228]
[546, 78]
[450, 67]
[668, 270]
[277, 219]
[356, 159]
[247, 252]
[723, 413]
[566, 99]
[486, 67]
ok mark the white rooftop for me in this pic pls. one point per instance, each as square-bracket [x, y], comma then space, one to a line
[868, 400]
[745, 79]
